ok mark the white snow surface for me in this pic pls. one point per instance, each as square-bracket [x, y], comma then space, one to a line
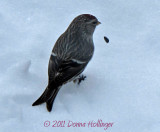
[123, 77]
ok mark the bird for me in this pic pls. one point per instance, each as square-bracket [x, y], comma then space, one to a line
[70, 55]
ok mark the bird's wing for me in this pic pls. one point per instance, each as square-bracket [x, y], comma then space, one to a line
[61, 71]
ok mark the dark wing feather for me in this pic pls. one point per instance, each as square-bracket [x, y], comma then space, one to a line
[53, 67]
[59, 72]
[62, 71]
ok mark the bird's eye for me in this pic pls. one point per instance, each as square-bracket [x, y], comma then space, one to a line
[94, 23]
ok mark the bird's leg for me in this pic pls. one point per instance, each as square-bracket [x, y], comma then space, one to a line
[79, 79]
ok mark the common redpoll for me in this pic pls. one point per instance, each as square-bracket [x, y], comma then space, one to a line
[70, 55]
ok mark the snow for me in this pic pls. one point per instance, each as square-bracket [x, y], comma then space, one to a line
[122, 85]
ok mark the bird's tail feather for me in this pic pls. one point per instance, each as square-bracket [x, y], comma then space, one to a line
[42, 98]
[48, 96]
[49, 102]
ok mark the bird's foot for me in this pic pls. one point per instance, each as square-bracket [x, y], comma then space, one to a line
[79, 79]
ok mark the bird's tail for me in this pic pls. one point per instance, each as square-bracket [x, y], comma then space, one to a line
[48, 96]
[49, 102]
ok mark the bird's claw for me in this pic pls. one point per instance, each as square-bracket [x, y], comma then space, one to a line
[80, 79]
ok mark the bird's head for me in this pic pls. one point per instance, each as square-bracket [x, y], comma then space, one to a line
[85, 24]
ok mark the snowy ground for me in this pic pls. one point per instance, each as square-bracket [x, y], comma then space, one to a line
[122, 83]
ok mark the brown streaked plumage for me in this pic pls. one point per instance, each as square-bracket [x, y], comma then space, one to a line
[70, 55]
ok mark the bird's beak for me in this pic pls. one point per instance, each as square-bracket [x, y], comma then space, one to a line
[98, 23]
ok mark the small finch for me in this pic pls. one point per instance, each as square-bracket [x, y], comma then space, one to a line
[70, 55]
